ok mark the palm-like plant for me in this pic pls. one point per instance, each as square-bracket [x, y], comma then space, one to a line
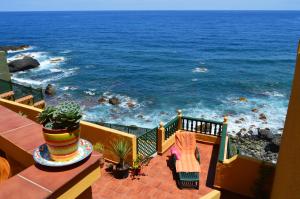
[121, 148]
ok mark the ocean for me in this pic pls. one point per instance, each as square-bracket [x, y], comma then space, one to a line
[201, 62]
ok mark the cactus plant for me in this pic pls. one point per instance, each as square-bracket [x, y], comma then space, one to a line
[66, 115]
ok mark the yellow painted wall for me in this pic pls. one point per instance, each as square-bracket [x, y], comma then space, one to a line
[106, 136]
[287, 175]
[30, 111]
[209, 139]
[215, 194]
[168, 143]
[92, 132]
[239, 174]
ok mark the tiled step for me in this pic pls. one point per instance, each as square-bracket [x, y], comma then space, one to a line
[8, 95]
[28, 100]
[40, 104]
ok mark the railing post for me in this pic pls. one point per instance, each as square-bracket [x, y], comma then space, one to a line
[223, 142]
[225, 122]
[179, 116]
[160, 138]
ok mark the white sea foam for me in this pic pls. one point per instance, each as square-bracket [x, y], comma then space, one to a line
[241, 115]
[194, 80]
[200, 70]
[55, 70]
[126, 102]
[40, 56]
[27, 81]
[91, 93]
[66, 88]
[242, 118]
[273, 93]
[23, 50]
[48, 64]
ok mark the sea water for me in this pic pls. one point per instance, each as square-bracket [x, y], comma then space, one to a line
[202, 62]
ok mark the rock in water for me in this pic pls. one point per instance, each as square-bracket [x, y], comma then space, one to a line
[130, 104]
[262, 117]
[243, 99]
[22, 64]
[50, 90]
[13, 48]
[265, 134]
[56, 60]
[114, 101]
[102, 100]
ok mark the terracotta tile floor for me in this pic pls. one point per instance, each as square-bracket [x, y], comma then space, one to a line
[158, 181]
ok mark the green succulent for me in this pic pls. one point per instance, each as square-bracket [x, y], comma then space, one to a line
[46, 116]
[66, 115]
[99, 147]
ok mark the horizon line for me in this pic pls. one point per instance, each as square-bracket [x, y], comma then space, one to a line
[150, 10]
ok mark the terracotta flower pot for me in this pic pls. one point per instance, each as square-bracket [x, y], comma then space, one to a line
[62, 145]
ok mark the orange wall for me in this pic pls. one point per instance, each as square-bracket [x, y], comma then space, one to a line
[287, 175]
[239, 174]
[95, 133]
[92, 132]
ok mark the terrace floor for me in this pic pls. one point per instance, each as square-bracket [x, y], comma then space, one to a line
[159, 181]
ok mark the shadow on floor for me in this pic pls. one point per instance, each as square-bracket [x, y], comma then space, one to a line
[212, 167]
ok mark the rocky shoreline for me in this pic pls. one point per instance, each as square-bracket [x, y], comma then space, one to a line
[262, 144]
[21, 63]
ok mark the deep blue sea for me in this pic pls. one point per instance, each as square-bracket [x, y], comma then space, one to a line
[199, 61]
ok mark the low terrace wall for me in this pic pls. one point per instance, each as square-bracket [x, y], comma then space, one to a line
[245, 175]
[89, 131]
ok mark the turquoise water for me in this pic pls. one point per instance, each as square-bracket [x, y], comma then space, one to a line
[199, 61]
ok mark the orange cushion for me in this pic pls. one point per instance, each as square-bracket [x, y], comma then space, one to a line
[187, 163]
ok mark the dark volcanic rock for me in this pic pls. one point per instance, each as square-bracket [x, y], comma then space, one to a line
[50, 90]
[14, 48]
[262, 117]
[23, 64]
[264, 146]
[266, 134]
[102, 100]
[114, 101]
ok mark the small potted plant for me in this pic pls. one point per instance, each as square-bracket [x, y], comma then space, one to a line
[100, 148]
[61, 130]
[121, 148]
[137, 165]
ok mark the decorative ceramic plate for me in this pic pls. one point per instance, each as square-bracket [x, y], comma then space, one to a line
[41, 155]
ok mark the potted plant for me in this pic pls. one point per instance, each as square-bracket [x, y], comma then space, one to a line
[61, 130]
[137, 165]
[121, 148]
[100, 148]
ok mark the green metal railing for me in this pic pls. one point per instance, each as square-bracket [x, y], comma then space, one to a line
[135, 130]
[223, 143]
[5, 86]
[203, 126]
[37, 94]
[171, 127]
[147, 143]
[21, 90]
